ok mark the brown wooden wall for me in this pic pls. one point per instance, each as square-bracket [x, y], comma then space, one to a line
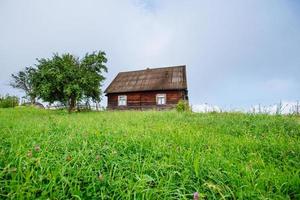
[146, 99]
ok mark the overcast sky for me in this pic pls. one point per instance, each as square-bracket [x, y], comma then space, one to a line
[237, 52]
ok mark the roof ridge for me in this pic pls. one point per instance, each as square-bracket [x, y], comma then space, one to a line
[155, 68]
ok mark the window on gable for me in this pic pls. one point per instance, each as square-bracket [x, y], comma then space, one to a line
[122, 100]
[161, 99]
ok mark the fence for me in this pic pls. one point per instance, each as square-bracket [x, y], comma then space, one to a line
[281, 108]
[79, 107]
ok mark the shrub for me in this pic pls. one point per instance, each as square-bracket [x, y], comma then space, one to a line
[183, 106]
[9, 101]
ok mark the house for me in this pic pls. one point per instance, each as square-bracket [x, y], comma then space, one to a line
[156, 88]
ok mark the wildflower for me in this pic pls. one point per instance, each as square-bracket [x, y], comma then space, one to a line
[196, 196]
[98, 157]
[37, 148]
[29, 154]
[100, 176]
[69, 158]
[114, 152]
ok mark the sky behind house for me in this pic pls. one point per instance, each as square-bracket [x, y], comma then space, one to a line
[237, 53]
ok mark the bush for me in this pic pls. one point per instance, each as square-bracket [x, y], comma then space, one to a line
[183, 106]
[9, 101]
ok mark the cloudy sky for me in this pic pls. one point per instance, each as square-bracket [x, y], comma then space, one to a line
[237, 53]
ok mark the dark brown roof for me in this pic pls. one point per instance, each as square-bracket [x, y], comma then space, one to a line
[165, 78]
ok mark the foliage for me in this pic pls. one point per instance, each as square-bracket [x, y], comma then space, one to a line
[147, 155]
[23, 80]
[9, 101]
[68, 79]
[183, 106]
[63, 78]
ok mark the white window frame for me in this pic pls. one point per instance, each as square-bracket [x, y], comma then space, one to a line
[158, 96]
[122, 100]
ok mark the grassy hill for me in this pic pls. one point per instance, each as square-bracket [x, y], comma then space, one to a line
[147, 155]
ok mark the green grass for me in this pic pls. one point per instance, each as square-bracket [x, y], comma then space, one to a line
[147, 155]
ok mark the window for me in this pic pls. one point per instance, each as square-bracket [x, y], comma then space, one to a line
[122, 100]
[161, 99]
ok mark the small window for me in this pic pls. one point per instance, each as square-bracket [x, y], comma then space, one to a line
[161, 99]
[122, 100]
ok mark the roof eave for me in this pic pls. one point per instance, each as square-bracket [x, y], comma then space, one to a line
[115, 92]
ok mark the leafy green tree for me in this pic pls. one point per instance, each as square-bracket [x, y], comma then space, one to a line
[68, 79]
[23, 80]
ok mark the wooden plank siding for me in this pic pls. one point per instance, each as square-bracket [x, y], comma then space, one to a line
[146, 99]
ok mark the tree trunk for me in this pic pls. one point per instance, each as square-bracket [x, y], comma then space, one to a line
[32, 100]
[72, 103]
[97, 106]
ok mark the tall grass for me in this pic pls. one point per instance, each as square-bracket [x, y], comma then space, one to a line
[147, 155]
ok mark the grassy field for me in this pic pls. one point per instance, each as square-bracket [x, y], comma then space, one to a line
[147, 155]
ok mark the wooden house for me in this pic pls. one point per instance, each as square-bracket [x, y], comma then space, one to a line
[155, 88]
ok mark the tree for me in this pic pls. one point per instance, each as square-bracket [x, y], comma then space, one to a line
[23, 80]
[68, 79]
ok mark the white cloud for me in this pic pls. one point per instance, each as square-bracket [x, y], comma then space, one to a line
[229, 47]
